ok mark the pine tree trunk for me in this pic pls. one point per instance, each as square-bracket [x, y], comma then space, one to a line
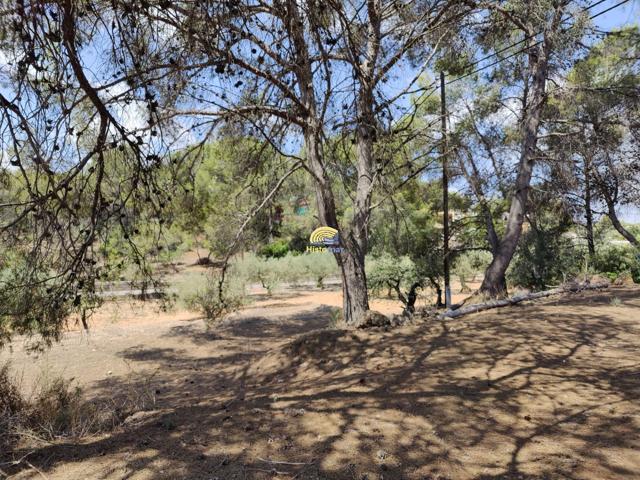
[354, 236]
[353, 239]
[355, 298]
[494, 284]
[587, 208]
[615, 221]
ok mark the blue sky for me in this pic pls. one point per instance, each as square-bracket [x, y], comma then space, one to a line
[626, 14]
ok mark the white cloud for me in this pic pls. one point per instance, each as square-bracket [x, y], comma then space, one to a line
[132, 116]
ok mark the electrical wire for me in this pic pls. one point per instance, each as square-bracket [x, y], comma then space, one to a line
[528, 37]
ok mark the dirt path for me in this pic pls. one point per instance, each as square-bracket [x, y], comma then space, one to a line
[541, 391]
[121, 329]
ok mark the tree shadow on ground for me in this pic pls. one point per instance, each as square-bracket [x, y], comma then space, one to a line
[545, 391]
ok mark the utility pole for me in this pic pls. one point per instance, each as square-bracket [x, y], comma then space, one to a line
[445, 195]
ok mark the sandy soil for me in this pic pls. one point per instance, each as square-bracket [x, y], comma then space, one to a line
[547, 390]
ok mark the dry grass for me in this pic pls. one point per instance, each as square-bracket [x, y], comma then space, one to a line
[58, 408]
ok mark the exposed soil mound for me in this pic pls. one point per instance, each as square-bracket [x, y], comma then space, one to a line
[314, 352]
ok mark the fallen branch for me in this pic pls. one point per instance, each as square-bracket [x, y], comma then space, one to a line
[273, 470]
[276, 462]
[37, 470]
[479, 307]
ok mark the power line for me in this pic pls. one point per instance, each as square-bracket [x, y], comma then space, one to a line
[433, 86]
[622, 2]
[502, 50]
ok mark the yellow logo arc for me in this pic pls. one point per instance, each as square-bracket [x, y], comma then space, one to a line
[322, 234]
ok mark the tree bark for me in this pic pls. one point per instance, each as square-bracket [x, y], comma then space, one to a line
[615, 221]
[412, 296]
[587, 208]
[494, 284]
[609, 189]
[479, 307]
[475, 181]
[354, 238]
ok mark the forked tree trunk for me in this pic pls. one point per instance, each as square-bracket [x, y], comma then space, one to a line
[353, 239]
[353, 236]
[494, 283]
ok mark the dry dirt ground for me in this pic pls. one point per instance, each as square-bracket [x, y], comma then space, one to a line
[545, 390]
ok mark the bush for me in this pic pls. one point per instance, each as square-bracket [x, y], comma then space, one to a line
[316, 267]
[207, 298]
[11, 401]
[298, 243]
[544, 258]
[11, 405]
[616, 261]
[277, 249]
[391, 273]
[468, 265]
[58, 409]
[272, 272]
[268, 272]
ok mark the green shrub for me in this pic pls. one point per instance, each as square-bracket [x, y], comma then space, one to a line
[207, 299]
[390, 273]
[468, 265]
[265, 271]
[298, 244]
[277, 249]
[294, 269]
[317, 267]
[544, 258]
[615, 261]
[186, 283]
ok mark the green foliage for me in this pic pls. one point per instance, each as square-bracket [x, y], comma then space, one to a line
[234, 175]
[249, 268]
[615, 261]
[549, 251]
[28, 307]
[294, 269]
[268, 272]
[316, 267]
[215, 307]
[276, 249]
[467, 265]
[411, 226]
[391, 273]
[545, 257]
